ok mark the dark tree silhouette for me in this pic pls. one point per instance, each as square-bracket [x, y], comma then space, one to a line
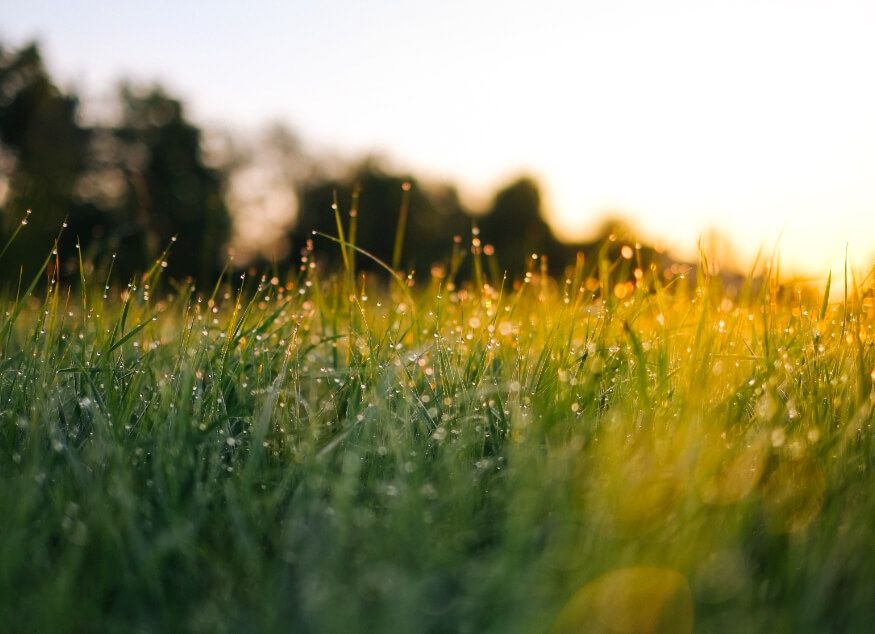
[435, 216]
[170, 191]
[515, 225]
[131, 185]
[49, 153]
[127, 187]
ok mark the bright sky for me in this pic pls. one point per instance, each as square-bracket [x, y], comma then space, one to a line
[756, 118]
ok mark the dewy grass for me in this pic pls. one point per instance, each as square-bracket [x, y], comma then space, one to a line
[302, 454]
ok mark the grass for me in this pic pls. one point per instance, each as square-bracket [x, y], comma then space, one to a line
[337, 453]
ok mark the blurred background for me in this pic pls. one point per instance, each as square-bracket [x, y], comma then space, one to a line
[739, 126]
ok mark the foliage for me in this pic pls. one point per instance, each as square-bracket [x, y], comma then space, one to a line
[47, 146]
[436, 215]
[129, 183]
[123, 187]
[170, 191]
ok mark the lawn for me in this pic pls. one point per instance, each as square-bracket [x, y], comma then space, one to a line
[622, 449]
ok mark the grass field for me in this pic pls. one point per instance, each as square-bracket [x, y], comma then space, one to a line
[326, 454]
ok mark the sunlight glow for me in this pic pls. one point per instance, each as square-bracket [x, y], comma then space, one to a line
[751, 118]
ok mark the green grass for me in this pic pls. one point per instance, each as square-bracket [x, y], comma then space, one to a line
[323, 453]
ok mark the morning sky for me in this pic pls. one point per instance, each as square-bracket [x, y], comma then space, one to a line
[754, 118]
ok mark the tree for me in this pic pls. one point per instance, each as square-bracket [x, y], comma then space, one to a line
[435, 216]
[515, 226]
[48, 152]
[169, 190]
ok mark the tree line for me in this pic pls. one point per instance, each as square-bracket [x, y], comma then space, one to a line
[140, 180]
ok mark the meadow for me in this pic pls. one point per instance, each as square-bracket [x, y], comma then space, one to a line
[621, 449]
